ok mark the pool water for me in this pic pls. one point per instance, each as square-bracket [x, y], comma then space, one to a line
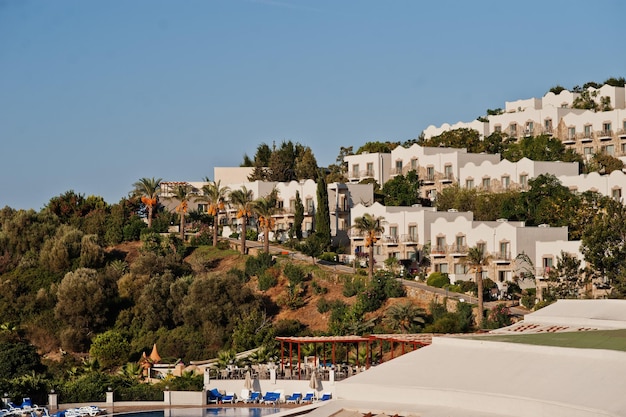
[210, 412]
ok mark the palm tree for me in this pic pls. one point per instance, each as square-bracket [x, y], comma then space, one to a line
[215, 195]
[242, 199]
[182, 193]
[369, 226]
[476, 259]
[148, 189]
[405, 318]
[265, 208]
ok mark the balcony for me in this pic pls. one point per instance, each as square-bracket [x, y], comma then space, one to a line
[447, 178]
[458, 250]
[570, 140]
[395, 171]
[408, 239]
[622, 133]
[585, 137]
[390, 240]
[429, 179]
[501, 257]
[355, 234]
[438, 251]
[605, 135]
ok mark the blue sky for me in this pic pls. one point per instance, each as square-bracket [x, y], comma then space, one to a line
[97, 94]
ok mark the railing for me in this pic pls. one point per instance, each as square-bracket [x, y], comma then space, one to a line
[390, 240]
[501, 256]
[408, 238]
[438, 250]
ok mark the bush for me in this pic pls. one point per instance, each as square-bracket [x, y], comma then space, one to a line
[438, 280]
[328, 257]
[352, 285]
[529, 296]
[257, 265]
[267, 281]
[110, 349]
[318, 289]
[323, 306]
[294, 273]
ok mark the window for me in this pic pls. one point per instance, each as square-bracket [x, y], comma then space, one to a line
[587, 131]
[441, 244]
[309, 205]
[460, 269]
[608, 149]
[523, 180]
[414, 164]
[443, 268]
[280, 204]
[430, 173]
[497, 129]
[448, 172]
[469, 184]
[460, 243]
[355, 170]
[571, 133]
[513, 129]
[548, 125]
[393, 231]
[413, 233]
[398, 167]
[342, 224]
[624, 126]
[616, 193]
[482, 247]
[623, 147]
[292, 206]
[529, 128]
[486, 183]
[606, 128]
[547, 264]
[506, 182]
[370, 169]
[504, 250]
[308, 226]
[588, 150]
[202, 208]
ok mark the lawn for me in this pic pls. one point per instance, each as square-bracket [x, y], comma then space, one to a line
[599, 339]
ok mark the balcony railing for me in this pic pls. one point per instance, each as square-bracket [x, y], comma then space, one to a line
[501, 256]
[390, 240]
[409, 239]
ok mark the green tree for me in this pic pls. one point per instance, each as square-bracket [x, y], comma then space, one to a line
[242, 200]
[370, 227]
[377, 147]
[477, 259]
[322, 214]
[148, 190]
[83, 300]
[402, 190]
[603, 163]
[604, 246]
[110, 349]
[265, 208]
[183, 195]
[298, 218]
[305, 164]
[215, 195]
[405, 317]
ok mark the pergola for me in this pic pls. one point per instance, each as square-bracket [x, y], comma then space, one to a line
[413, 340]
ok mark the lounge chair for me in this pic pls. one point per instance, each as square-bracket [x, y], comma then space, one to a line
[229, 398]
[294, 398]
[308, 397]
[326, 396]
[254, 397]
[214, 396]
[271, 398]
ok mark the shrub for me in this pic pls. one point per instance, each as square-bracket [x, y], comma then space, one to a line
[318, 289]
[438, 280]
[294, 273]
[328, 257]
[110, 349]
[323, 306]
[257, 265]
[267, 281]
[352, 285]
[529, 297]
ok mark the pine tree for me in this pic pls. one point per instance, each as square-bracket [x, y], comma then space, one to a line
[322, 214]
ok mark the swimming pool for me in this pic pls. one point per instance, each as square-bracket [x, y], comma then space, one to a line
[209, 412]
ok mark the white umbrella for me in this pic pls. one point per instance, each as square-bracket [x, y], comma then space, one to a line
[313, 382]
[247, 384]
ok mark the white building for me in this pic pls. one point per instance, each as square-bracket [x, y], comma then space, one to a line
[506, 175]
[611, 185]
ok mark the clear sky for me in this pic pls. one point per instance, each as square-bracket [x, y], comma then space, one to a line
[96, 94]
